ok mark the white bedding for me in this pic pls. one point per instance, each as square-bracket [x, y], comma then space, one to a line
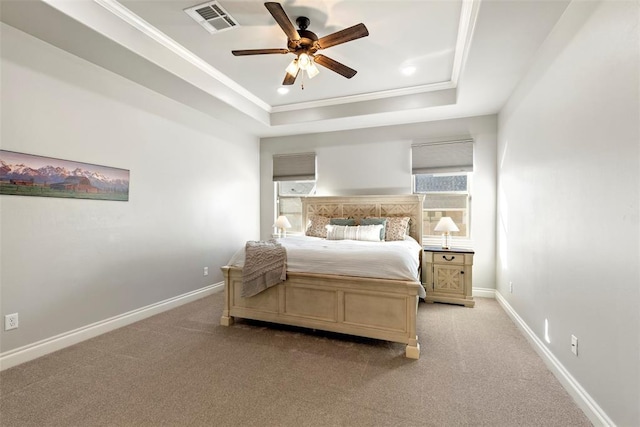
[398, 260]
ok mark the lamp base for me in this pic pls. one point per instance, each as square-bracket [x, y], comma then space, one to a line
[446, 241]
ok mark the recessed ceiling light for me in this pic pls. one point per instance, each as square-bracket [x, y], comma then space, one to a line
[407, 71]
[283, 90]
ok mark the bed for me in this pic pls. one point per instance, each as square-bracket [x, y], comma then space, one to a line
[380, 308]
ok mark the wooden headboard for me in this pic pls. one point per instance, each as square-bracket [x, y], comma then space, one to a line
[359, 207]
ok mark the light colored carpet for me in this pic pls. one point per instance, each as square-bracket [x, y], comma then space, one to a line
[182, 368]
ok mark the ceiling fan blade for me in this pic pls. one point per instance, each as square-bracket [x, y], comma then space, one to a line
[283, 20]
[289, 79]
[258, 51]
[343, 36]
[334, 66]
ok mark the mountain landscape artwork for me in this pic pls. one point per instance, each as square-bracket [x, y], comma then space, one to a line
[30, 175]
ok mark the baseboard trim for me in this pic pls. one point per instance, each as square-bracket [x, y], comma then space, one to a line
[584, 401]
[32, 351]
[483, 292]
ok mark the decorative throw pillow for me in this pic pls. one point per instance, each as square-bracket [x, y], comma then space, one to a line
[342, 221]
[396, 227]
[317, 226]
[376, 221]
[369, 233]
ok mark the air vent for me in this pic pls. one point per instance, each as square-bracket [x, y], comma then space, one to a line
[212, 17]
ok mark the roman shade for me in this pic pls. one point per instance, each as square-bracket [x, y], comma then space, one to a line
[442, 156]
[294, 167]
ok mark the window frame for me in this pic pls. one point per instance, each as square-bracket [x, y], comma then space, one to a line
[277, 197]
[435, 239]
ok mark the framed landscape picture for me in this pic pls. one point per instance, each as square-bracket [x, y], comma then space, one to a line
[29, 175]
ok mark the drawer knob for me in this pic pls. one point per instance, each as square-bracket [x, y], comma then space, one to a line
[447, 259]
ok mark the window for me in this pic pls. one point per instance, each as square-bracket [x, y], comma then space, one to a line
[294, 177]
[445, 195]
[289, 201]
[441, 171]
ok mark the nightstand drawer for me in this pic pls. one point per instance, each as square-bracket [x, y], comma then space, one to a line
[448, 258]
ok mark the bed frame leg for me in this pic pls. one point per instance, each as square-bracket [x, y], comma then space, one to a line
[226, 320]
[413, 351]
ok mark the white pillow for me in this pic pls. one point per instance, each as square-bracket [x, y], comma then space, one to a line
[369, 233]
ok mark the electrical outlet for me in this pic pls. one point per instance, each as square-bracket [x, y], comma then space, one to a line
[510, 287]
[11, 321]
[574, 345]
[206, 271]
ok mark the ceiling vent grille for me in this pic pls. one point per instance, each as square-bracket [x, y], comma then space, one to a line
[212, 17]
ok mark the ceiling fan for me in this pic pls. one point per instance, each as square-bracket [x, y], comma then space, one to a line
[304, 44]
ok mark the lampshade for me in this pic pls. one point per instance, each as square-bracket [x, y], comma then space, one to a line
[446, 225]
[292, 68]
[312, 70]
[303, 62]
[282, 222]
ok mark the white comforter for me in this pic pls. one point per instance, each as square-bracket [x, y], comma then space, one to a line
[397, 260]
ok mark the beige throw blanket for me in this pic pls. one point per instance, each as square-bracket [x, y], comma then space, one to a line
[265, 265]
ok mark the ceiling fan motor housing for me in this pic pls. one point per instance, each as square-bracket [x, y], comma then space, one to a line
[303, 22]
[308, 39]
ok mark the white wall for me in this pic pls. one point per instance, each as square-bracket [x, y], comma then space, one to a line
[378, 161]
[569, 189]
[193, 194]
[373, 168]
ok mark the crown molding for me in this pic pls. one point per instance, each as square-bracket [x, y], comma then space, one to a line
[468, 16]
[365, 97]
[149, 30]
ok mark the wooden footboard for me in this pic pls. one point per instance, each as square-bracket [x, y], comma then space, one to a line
[375, 308]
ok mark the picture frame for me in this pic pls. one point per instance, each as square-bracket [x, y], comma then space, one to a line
[24, 174]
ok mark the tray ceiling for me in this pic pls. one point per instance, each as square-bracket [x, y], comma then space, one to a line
[465, 55]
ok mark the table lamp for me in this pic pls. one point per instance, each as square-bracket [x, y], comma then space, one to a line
[282, 223]
[446, 225]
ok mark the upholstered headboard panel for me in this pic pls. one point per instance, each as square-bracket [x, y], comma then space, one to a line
[359, 207]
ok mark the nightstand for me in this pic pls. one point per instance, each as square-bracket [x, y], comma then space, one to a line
[447, 275]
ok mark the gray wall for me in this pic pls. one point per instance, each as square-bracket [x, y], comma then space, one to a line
[193, 195]
[569, 191]
[378, 161]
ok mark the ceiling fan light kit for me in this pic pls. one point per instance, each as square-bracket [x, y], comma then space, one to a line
[312, 70]
[304, 44]
[303, 62]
